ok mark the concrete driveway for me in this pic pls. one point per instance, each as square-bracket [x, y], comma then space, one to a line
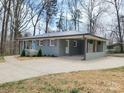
[14, 70]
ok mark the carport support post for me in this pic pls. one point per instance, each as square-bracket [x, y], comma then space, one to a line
[95, 45]
[85, 48]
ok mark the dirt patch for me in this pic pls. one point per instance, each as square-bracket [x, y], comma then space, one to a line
[2, 59]
[27, 59]
[116, 55]
[105, 81]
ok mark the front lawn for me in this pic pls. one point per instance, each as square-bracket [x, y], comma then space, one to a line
[103, 81]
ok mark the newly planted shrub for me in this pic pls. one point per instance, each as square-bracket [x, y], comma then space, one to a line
[44, 55]
[74, 90]
[53, 56]
[23, 53]
[39, 53]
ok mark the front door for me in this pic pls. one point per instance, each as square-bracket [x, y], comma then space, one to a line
[67, 47]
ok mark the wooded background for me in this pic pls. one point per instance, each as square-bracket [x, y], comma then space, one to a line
[21, 18]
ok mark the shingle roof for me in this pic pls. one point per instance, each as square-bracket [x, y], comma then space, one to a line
[60, 34]
[66, 33]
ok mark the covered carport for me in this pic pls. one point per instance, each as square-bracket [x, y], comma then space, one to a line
[94, 46]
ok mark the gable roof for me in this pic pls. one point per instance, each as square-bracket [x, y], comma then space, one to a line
[62, 34]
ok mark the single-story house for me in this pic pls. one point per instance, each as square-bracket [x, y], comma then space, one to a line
[67, 43]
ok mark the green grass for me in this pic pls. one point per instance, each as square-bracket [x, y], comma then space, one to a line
[99, 81]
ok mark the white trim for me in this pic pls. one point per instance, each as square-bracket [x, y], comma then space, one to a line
[67, 43]
[67, 47]
[51, 42]
[40, 43]
[76, 43]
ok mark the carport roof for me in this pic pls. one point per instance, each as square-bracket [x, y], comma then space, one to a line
[63, 34]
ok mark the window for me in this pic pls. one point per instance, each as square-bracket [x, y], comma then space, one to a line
[52, 42]
[75, 43]
[99, 43]
[40, 42]
[91, 41]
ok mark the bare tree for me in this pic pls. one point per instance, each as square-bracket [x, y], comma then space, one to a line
[75, 12]
[93, 9]
[36, 13]
[60, 24]
[119, 32]
[15, 15]
[50, 10]
[6, 14]
[20, 20]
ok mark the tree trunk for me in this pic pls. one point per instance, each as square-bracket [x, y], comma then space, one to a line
[16, 25]
[2, 34]
[34, 30]
[6, 24]
[90, 26]
[47, 23]
[78, 25]
[75, 23]
[11, 42]
[119, 27]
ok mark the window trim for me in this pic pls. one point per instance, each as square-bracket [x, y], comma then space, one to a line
[51, 42]
[67, 43]
[40, 43]
[75, 43]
